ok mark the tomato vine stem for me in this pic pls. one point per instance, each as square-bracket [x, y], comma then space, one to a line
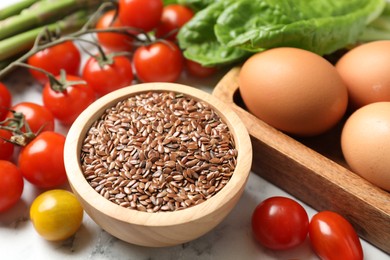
[44, 39]
[15, 126]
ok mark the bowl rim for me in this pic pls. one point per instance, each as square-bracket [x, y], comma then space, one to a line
[82, 188]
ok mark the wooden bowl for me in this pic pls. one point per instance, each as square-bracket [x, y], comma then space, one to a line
[157, 229]
[313, 170]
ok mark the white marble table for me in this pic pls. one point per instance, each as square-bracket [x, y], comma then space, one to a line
[232, 239]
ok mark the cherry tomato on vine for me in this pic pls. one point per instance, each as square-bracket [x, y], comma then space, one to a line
[280, 223]
[197, 70]
[66, 105]
[41, 161]
[159, 61]
[173, 17]
[105, 78]
[113, 41]
[6, 148]
[140, 14]
[56, 214]
[5, 101]
[11, 185]
[333, 237]
[38, 117]
[64, 56]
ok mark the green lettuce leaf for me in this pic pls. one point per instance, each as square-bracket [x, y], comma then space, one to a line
[378, 29]
[228, 31]
[319, 26]
[169, 2]
[197, 5]
[199, 42]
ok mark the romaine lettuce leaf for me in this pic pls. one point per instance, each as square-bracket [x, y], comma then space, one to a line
[379, 29]
[229, 30]
[199, 42]
[319, 26]
[196, 5]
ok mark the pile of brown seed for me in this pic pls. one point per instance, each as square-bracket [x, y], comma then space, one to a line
[158, 151]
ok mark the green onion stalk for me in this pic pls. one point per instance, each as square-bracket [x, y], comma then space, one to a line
[15, 8]
[40, 13]
[19, 43]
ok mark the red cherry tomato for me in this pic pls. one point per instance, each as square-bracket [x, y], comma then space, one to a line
[11, 185]
[64, 56]
[140, 14]
[160, 61]
[110, 77]
[38, 117]
[113, 41]
[333, 237]
[6, 148]
[68, 104]
[41, 161]
[5, 101]
[280, 223]
[174, 16]
[197, 70]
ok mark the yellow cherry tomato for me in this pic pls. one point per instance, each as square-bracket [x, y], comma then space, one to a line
[56, 214]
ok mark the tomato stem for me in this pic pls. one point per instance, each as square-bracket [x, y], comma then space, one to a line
[15, 125]
[51, 77]
[40, 43]
[62, 84]
[100, 50]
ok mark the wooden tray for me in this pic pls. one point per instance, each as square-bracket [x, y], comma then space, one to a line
[313, 170]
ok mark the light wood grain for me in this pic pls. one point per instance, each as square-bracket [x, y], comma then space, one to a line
[317, 175]
[162, 228]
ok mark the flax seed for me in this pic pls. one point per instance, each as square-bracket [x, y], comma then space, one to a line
[158, 151]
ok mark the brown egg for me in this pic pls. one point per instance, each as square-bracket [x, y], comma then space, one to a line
[293, 90]
[365, 143]
[365, 71]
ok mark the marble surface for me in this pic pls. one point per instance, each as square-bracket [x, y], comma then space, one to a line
[232, 239]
